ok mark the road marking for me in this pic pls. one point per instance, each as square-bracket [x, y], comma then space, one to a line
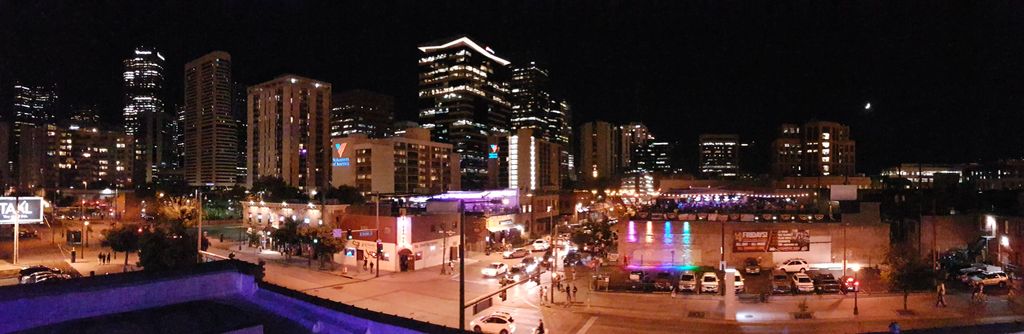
[587, 325]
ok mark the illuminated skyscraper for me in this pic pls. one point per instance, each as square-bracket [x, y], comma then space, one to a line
[463, 99]
[211, 143]
[289, 132]
[34, 107]
[144, 109]
[361, 111]
[719, 155]
[818, 148]
[534, 106]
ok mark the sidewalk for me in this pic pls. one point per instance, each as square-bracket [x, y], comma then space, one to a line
[835, 311]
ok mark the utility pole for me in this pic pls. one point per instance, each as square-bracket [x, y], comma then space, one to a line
[17, 223]
[462, 266]
[199, 231]
[377, 197]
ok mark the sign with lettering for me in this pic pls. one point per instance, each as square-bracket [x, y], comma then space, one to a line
[24, 210]
[338, 158]
[750, 241]
[493, 154]
[790, 241]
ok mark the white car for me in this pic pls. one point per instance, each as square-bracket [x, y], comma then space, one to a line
[737, 280]
[709, 282]
[687, 281]
[802, 283]
[494, 269]
[988, 279]
[497, 322]
[794, 265]
[541, 245]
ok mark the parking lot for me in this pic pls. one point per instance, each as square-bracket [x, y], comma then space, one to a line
[619, 279]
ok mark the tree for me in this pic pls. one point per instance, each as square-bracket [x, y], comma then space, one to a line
[346, 195]
[908, 270]
[273, 189]
[122, 238]
[165, 249]
[323, 242]
[287, 234]
[177, 209]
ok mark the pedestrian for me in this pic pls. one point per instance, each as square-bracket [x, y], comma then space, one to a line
[894, 327]
[365, 261]
[940, 290]
[568, 295]
[106, 257]
[540, 327]
[100, 257]
[371, 267]
[574, 292]
[974, 293]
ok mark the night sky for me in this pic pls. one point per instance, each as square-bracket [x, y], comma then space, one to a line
[945, 79]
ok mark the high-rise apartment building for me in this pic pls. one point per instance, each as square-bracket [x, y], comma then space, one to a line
[719, 155]
[534, 106]
[211, 143]
[91, 157]
[241, 116]
[818, 148]
[463, 99]
[361, 111]
[33, 107]
[410, 163]
[635, 137]
[144, 116]
[600, 149]
[289, 132]
[523, 160]
[653, 156]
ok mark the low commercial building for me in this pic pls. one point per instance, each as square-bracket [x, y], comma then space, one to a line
[925, 175]
[408, 242]
[411, 163]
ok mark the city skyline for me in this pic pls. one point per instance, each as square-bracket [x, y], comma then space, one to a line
[915, 75]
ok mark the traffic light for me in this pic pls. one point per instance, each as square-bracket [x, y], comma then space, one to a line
[348, 234]
[380, 247]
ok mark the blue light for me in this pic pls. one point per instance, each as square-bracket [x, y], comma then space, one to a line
[668, 233]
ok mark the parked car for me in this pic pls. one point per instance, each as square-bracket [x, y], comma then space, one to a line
[709, 282]
[794, 265]
[663, 281]
[688, 281]
[802, 283]
[541, 245]
[34, 269]
[44, 276]
[494, 269]
[738, 281]
[849, 284]
[25, 233]
[780, 282]
[826, 283]
[496, 322]
[751, 266]
[515, 253]
[636, 276]
[989, 279]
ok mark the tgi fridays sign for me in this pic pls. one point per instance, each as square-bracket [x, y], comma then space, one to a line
[24, 210]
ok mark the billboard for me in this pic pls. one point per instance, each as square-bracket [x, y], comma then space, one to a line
[771, 241]
[841, 192]
[790, 241]
[23, 209]
[750, 241]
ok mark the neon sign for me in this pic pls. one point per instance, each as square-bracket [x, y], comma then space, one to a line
[494, 152]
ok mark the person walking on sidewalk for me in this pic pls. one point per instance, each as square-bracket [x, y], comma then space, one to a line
[568, 295]
[541, 292]
[574, 292]
[940, 291]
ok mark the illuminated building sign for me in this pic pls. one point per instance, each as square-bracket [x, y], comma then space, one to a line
[404, 229]
[337, 159]
[24, 210]
[494, 152]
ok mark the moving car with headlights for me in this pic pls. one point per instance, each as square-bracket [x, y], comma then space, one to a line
[498, 322]
[515, 253]
[780, 282]
[688, 281]
[541, 245]
[826, 283]
[709, 282]
[494, 269]
[849, 284]
[802, 283]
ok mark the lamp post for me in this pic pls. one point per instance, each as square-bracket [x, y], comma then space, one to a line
[462, 258]
[856, 288]
[85, 228]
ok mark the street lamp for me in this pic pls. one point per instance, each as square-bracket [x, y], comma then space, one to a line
[856, 288]
[86, 230]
